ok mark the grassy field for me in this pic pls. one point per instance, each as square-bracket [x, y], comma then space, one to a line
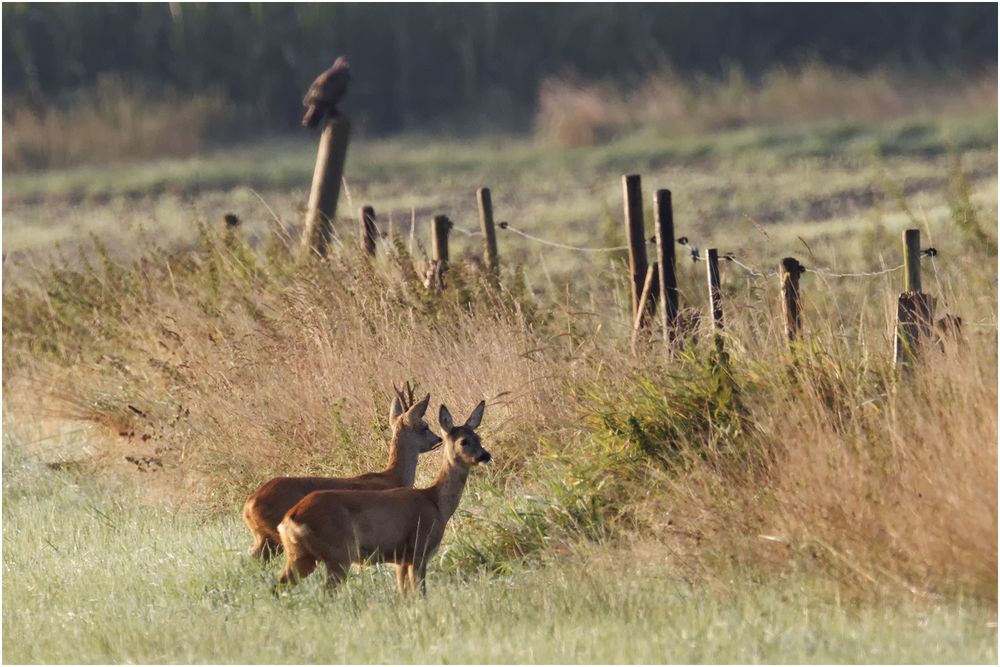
[752, 506]
[726, 185]
[92, 576]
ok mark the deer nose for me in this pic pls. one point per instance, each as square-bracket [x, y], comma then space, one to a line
[484, 458]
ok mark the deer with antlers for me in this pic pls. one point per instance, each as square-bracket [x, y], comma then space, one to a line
[411, 436]
[401, 526]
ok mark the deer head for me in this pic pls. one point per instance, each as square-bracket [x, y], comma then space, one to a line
[406, 417]
[462, 442]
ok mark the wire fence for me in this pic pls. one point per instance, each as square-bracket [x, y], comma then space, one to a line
[695, 255]
[555, 244]
[538, 239]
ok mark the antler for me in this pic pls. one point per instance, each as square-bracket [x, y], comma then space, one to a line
[409, 395]
[405, 396]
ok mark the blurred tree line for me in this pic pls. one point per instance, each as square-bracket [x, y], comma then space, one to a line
[426, 63]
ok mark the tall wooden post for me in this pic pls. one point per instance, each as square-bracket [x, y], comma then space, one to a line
[636, 233]
[788, 272]
[440, 226]
[434, 276]
[490, 257]
[714, 286]
[914, 317]
[669, 302]
[326, 180]
[911, 260]
[914, 310]
[367, 232]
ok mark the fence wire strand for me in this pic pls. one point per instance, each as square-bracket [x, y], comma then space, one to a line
[555, 244]
[753, 272]
[859, 274]
[696, 256]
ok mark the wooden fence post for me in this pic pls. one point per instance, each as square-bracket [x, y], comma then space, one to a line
[636, 233]
[648, 288]
[714, 286]
[911, 260]
[326, 184]
[789, 271]
[434, 275]
[490, 256]
[668, 267]
[367, 232]
[914, 310]
[914, 315]
[440, 226]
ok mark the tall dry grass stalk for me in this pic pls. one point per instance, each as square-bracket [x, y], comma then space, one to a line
[574, 113]
[239, 364]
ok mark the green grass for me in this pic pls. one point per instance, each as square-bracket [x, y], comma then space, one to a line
[92, 577]
[289, 163]
[588, 438]
[726, 187]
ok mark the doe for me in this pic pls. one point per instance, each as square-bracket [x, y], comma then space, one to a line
[400, 526]
[411, 436]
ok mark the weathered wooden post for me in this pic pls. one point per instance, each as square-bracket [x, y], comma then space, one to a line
[714, 286]
[648, 288]
[636, 233]
[490, 257]
[413, 231]
[788, 272]
[914, 310]
[367, 232]
[325, 192]
[434, 277]
[440, 226]
[669, 304]
[911, 260]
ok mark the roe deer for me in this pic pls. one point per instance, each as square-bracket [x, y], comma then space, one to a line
[400, 526]
[411, 436]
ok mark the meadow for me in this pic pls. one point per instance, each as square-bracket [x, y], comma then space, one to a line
[98, 578]
[759, 505]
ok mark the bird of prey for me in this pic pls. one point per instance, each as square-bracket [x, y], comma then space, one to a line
[325, 92]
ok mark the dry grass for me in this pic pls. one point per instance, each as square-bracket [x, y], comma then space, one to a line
[578, 114]
[574, 113]
[114, 122]
[240, 363]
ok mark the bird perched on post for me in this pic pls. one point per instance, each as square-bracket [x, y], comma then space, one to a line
[325, 92]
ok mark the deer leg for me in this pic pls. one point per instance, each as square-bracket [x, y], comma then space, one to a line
[264, 547]
[296, 570]
[336, 571]
[257, 550]
[418, 573]
[272, 547]
[402, 572]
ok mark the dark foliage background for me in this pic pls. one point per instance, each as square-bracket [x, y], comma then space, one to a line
[421, 63]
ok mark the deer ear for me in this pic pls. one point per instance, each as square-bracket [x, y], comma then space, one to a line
[476, 416]
[416, 413]
[395, 410]
[444, 418]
